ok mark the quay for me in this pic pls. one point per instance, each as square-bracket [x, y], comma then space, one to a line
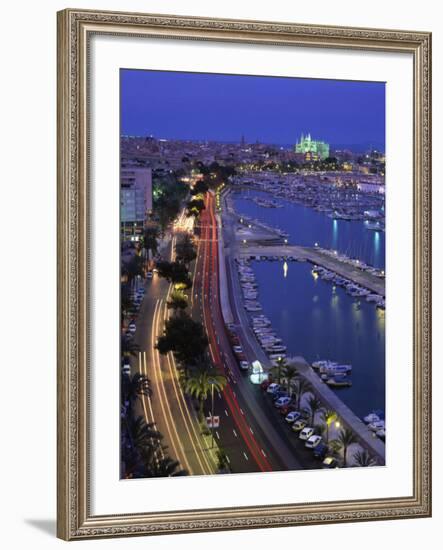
[232, 244]
[367, 439]
[317, 257]
[253, 239]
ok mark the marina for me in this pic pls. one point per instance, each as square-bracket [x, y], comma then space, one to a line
[305, 226]
[324, 305]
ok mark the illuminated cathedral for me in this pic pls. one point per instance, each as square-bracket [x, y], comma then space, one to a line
[316, 150]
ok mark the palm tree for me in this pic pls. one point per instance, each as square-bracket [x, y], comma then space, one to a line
[166, 467]
[150, 242]
[134, 267]
[132, 387]
[290, 373]
[363, 458]
[314, 405]
[300, 387]
[329, 416]
[277, 370]
[144, 434]
[185, 250]
[346, 438]
[201, 383]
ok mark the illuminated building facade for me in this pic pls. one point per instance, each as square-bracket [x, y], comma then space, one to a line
[312, 149]
[135, 197]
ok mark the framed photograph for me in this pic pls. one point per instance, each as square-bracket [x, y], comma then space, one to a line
[243, 274]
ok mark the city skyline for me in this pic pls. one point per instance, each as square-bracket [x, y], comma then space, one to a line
[274, 110]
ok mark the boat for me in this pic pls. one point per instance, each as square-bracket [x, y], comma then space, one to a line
[371, 417]
[274, 349]
[322, 363]
[363, 293]
[374, 226]
[375, 426]
[335, 369]
[374, 298]
[339, 382]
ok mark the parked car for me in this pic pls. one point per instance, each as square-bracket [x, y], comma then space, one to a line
[149, 275]
[320, 451]
[126, 369]
[284, 411]
[299, 425]
[237, 349]
[306, 433]
[292, 416]
[265, 384]
[244, 365]
[282, 401]
[272, 388]
[279, 393]
[313, 441]
[330, 462]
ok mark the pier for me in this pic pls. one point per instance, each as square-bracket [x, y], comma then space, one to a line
[317, 257]
[367, 439]
[245, 239]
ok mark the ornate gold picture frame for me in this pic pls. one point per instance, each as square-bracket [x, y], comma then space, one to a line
[75, 29]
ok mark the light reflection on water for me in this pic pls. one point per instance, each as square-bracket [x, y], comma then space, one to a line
[317, 321]
[307, 227]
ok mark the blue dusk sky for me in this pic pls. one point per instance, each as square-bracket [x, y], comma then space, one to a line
[178, 105]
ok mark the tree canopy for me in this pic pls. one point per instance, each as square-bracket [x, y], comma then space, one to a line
[174, 272]
[185, 338]
[185, 250]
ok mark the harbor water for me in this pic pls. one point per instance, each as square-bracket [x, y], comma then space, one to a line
[306, 227]
[316, 319]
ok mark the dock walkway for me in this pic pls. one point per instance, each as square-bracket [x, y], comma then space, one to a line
[367, 439]
[315, 256]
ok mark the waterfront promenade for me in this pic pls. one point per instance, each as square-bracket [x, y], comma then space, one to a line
[234, 246]
[367, 439]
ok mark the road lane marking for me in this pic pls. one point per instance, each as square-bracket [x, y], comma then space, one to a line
[163, 399]
[145, 371]
[174, 374]
[263, 453]
[226, 413]
[245, 455]
[234, 432]
[174, 378]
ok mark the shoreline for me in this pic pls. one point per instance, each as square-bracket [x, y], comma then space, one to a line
[367, 438]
